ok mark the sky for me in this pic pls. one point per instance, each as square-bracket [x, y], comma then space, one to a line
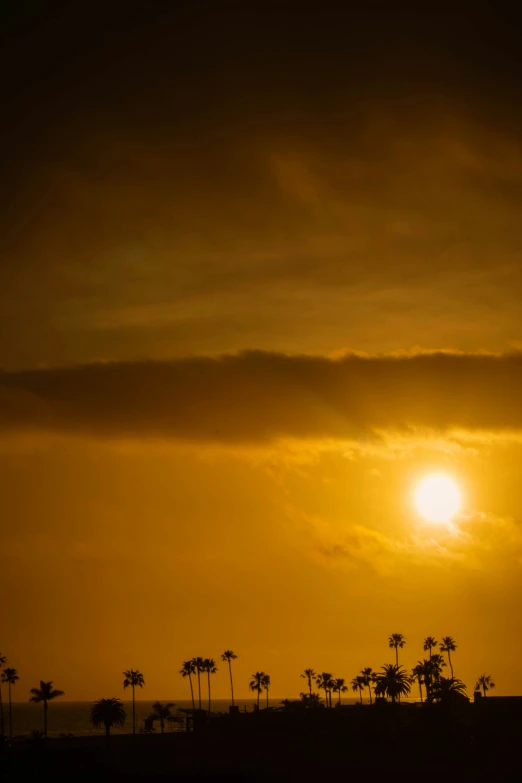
[260, 272]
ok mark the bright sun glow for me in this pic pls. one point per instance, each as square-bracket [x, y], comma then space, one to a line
[437, 498]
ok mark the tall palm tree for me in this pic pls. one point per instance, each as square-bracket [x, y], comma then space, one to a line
[230, 656]
[256, 684]
[108, 713]
[134, 678]
[485, 681]
[198, 666]
[266, 686]
[396, 640]
[187, 670]
[161, 712]
[368, 677]
[324, 681]
[209, 666]
[309, 675]
[430, 643]
[339, 687]
[3, 661]
[358, 685]
[418, 673]
[394, 681]
[44, 694]
[448, 645]
[10, 676]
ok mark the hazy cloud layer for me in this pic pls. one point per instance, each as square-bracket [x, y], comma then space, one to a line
[259, 397]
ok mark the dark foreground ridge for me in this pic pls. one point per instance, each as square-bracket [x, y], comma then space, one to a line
[457, 741]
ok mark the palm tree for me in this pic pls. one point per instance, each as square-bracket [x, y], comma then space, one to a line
[308, 675]
[45, 693]
[161, 712]
[187, 670]
[3, 661]
[448, 645]
[394, 681]
[134, 678]
[419, 673]
[358, 684]
[266, 686]
[485, 681]
[198, 666]
[448, 689]
[109, 713]
[339, 687]
[209, 666]
[368, 677]
[432, 668]
[10, 676]
[256, 684]
[396, 640]
[429, 643]
[230, 656]
[324, 682]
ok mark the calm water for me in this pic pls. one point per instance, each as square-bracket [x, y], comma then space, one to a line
[73, 716]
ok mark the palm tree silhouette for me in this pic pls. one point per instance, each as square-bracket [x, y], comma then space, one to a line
[209, 666]
[134, 678]
[324, 682]
[198, 666]
[256, 684]
[358, 684]
[266, 686]
[44, 694]
[161, 712]
[188, 668]
[368, 677]
[10, 676]
[396, 640]
[418, 673]
[108, 713]
[393, 681]
[309, 675]
[448, 689]
[230, 656]
[3, 661]
[485, 681]
[448, 645]
[429, 643]
[339, 687]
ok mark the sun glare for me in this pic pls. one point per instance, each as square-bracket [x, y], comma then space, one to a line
[437, 498]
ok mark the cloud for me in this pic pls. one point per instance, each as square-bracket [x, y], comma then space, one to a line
[257, 397]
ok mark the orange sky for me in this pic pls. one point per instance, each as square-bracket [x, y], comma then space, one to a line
[243, 310]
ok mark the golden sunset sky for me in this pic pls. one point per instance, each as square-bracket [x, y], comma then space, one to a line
[261, 269]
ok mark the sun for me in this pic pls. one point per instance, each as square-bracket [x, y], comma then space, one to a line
[437, 498]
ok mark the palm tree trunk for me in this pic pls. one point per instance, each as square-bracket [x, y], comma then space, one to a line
[396, 655]
[192, 693]
[45, 719]
[10, 715]
[199, 688]
[310, 685]
[208, 676]
[231, 682]
[451, 665]
[420, 689]
[133, 713]
[361, 692]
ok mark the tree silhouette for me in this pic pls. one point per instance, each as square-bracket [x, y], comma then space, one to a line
[266, 686]
[339, 687]
[393, 681]
[161, 712]
[358, 684]
[448, 690]
[324, 681]
[309, 675]
[44, 694]
[430, 643]
[10, 676]
[432, 671]
[419, 673]
[108, 713]
[198, 666]
[256, 684]
[230, 656]
[396, 640]
[368, 677]
[188, 668]
[484, 682]
[209, 666]
[448, 645]
[134, 678]
[3, 661]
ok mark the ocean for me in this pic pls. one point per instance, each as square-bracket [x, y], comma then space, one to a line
[72, 717]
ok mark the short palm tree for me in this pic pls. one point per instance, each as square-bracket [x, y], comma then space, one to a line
[10, 676]
[339, 687]
[134, 679]
[256, 684]
[188, 668]
[198, 667]
[209, 666]
[394, 681]
[266, 686]
[161, 712]
[358, 685]
[108, 713]
[324, 681]
[43, 695]
[448, 689]
[309, 675]
[418, 673]
[448, 645]
[3, 661]
[484, 682]
[368, 677]
[396, 640]
[430, 643]
[230, 656]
